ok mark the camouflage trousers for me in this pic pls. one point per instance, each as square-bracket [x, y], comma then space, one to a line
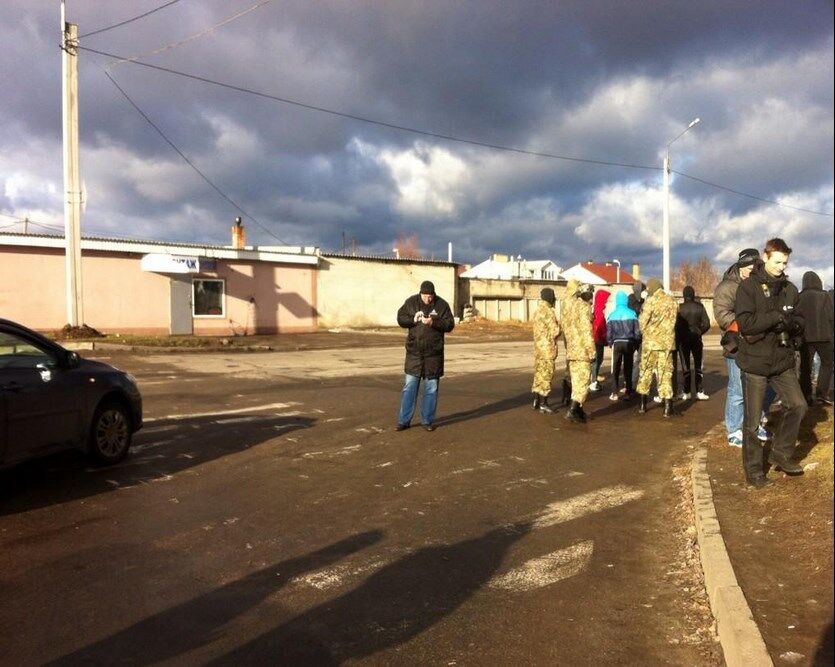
[543, 374]
[660, 364]
[580, 372]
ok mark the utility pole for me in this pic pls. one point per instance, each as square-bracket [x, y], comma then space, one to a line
[72, 179]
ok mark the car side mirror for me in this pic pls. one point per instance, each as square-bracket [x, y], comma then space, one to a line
[72, 360]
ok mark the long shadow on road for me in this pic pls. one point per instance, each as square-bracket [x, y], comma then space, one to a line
[395, 604]
[168, 447]
[197, 622]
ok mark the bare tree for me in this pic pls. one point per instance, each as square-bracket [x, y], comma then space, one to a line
[701, 275]
[407, 247]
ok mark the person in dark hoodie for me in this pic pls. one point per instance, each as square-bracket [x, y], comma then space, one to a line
[636, 302]
[769, 324]
[427, 317]
[601, 297]
[815, 307]
[623, 334]
[692, 323]
[724, 311]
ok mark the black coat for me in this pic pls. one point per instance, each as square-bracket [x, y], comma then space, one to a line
[425, 343]
[759, 308]
[815, 306]
[692, 320]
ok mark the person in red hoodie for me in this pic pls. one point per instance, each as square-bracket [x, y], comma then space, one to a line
[599, 331]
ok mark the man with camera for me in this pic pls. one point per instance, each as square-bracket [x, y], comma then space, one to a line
[769, 329]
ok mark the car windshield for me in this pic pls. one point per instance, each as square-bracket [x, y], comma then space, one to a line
[16, 352]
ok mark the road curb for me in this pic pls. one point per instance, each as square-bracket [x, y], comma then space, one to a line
[741, 640]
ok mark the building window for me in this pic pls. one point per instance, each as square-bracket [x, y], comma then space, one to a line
[209, 298]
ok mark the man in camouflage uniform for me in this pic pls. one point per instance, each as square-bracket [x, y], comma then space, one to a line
[546, 328]
[579, 344]
[658, 323]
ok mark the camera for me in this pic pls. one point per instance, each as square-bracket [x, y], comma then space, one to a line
[784, 337]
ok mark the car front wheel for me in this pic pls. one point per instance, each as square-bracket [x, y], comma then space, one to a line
[110, 433]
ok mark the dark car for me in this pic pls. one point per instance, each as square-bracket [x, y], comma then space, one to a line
[51, 398]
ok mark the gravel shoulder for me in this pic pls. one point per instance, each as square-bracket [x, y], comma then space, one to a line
[780, 542]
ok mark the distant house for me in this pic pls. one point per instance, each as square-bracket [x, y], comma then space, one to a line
[507, 267]
[608, 273]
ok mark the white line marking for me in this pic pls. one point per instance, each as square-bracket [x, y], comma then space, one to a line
[218, 413]
[546, 570]
[587, 503]
[335, 419]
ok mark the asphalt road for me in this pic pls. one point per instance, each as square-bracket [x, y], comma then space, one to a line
[270, 514]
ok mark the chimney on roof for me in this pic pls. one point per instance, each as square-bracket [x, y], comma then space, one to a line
[238, 235]
[636, 271]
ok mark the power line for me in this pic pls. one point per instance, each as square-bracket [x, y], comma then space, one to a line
[371, 121]
[19, 221]
[135, 18]
[745, 194]
[188, 161]
[196, 35]
[445, 137]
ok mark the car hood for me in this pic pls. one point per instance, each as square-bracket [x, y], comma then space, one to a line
[90, 366]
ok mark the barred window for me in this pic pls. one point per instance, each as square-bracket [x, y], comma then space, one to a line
[209, 298]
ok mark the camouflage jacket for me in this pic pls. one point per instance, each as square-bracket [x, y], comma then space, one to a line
[546, 328]
[658, 322]
[577, 327]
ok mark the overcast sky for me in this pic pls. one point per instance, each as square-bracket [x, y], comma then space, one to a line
[611, 81]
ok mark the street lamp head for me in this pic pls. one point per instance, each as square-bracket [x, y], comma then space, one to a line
[693, 122]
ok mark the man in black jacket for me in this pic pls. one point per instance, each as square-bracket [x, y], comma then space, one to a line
[692, 323]
[427, 317]
[815, 307]
[768, 327]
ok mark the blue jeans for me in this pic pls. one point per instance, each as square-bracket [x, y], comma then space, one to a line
[734, 403]
[408, 400]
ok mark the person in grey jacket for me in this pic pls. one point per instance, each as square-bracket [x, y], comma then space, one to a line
[724, 298]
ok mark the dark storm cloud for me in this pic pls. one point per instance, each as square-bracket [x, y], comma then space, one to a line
[604, 80]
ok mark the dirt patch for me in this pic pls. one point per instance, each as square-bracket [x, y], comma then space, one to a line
[477, 330]
[685, 574]
[780, 542]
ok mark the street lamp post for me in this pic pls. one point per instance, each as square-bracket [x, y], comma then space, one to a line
[617, 277]
[665, 229]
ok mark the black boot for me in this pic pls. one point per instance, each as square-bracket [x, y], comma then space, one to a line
[566, 392]
[536, 400]
[642, 405]
[543, 405]
[575, 414]
[668, 408]
[583, 416]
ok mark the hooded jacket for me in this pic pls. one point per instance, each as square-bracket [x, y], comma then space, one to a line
[815, 306]
[658, 322]
[599, 327]
[635, 302]
[622, 323]
[425, 343]
[760, 302]
[692, 320]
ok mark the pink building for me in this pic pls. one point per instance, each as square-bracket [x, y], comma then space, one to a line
[154, 287]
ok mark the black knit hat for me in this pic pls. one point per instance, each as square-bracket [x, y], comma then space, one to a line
[547, 294]
[427, 287]
[748, 257]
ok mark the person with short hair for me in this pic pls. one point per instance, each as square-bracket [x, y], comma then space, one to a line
[427, 317]
[769, 328]
[546, 328]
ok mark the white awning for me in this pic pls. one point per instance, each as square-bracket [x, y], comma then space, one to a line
[162, 263]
